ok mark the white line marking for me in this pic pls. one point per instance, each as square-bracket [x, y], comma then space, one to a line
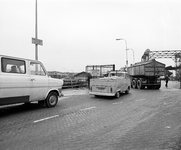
[117, 103]
[88, 108]
[45, 118]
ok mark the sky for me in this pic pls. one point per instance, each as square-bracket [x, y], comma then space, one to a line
[77, 33]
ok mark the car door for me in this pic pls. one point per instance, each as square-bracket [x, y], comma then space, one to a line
[122, 81]
[14, 81]
[39, 81]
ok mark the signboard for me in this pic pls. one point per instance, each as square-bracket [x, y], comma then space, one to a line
[37, 41]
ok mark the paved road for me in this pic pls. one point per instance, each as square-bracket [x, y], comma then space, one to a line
[140, 120]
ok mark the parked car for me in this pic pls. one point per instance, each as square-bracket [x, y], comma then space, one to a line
[24, 81]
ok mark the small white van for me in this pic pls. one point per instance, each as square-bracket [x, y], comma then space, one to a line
[116, 83]
[25, 81]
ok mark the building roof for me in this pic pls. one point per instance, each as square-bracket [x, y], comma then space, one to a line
[87, 74]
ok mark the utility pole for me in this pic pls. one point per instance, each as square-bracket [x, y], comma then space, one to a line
[133, 54]
[126, 52]
[36, 31]
[35, 40]
[180, 74]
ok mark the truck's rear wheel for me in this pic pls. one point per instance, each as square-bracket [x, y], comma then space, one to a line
[134, 84]
[52, 99]
[139, 84]
[117, 95]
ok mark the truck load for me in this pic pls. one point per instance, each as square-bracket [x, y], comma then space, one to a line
[113, 85]
[146, 74]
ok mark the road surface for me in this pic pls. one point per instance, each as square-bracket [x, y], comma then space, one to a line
[140, 120]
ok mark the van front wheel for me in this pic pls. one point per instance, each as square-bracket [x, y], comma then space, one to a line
[51, 100]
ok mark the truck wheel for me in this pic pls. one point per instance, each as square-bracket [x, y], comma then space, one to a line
[139, 84]
[51, 100]
[117, 95]
[134, 84]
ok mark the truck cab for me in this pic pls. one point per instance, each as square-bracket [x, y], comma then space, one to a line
[114, 84]
[24, 81]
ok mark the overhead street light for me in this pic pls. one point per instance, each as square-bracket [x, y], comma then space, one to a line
[126, 51]
[133, 54]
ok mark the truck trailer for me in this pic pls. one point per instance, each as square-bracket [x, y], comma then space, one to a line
[146, 74]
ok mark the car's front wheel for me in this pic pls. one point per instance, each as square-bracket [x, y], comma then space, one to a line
[51, 100]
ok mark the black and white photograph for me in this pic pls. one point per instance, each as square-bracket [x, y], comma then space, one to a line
[90, 75]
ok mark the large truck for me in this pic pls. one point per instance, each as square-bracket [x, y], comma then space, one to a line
[146, 74]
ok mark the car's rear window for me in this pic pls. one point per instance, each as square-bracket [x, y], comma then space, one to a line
[9, 65]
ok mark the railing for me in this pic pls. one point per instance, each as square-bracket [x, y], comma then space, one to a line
[73, 83]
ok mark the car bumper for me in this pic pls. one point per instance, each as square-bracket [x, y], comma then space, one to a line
[102, 94]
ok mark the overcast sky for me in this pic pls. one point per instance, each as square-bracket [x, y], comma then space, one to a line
[77, 33]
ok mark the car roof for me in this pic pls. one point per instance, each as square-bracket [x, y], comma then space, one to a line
[12, 57]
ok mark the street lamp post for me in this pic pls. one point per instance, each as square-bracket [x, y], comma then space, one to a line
[133, 54]
[36, 31]
[126, 51]
[35, 40]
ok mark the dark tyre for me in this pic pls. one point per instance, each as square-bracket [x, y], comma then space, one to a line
[134, 84]
[127, 91]
[51, 100]
[117, 95]
[139, 86]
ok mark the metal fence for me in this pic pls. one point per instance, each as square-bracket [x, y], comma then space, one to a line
[74, 83]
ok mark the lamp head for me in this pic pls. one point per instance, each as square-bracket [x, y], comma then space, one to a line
[120, 39]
